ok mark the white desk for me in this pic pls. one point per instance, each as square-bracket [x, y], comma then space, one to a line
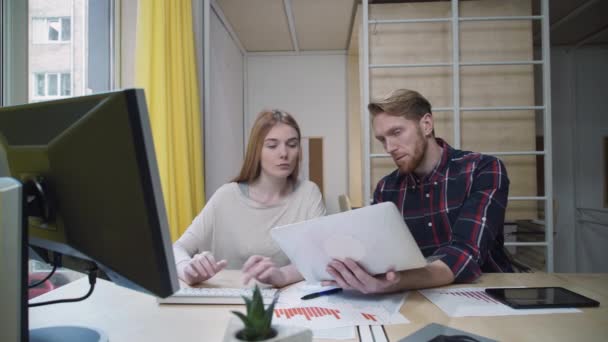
[126, 315]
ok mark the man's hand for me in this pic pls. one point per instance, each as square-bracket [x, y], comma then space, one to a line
[350, 276]
[201, 267]
[264, 270]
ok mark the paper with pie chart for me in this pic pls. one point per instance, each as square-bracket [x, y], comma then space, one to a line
[346, 308]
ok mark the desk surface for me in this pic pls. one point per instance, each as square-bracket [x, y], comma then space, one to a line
[126, 315]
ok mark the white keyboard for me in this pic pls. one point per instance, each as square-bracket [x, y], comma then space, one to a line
[195, 295]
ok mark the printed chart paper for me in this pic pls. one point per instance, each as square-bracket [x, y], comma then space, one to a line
[474, 301]
[336, 310]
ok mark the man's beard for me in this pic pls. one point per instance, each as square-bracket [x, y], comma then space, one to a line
[416, 158]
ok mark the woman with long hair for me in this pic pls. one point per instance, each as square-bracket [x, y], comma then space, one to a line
[233, 229]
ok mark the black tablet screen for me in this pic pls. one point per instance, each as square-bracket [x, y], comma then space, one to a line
[540, 297]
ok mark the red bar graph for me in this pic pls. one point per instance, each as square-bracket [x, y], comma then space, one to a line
[307, 312]
[369, 316]
[472, 294]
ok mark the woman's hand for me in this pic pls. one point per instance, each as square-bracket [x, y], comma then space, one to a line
[201, 267]
[264, 270]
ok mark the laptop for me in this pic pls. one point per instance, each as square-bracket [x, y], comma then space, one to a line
[375, 236]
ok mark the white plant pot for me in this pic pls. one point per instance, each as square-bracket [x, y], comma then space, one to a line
[285, 333]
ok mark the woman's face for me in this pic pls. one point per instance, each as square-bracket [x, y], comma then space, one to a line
[280, 151]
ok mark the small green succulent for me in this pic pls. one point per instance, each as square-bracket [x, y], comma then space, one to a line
[257, 321]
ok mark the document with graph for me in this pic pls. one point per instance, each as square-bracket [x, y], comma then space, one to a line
[474, 301]
[336, 310]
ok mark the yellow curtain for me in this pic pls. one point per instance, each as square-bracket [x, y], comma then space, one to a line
[166, 70]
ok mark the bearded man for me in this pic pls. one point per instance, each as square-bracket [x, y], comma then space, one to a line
[453, 202]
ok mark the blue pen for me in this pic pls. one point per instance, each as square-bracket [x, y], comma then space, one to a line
[322, 293]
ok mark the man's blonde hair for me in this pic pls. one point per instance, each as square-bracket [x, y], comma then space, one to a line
[401, 102]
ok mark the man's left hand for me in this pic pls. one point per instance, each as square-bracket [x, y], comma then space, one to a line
[350, 276]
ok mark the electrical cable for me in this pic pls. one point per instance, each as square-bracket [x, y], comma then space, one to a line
[92, 279]
[56, 262]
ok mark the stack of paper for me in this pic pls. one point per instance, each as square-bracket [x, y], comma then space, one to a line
[336, 310]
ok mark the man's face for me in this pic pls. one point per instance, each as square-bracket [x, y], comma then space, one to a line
[402, 139]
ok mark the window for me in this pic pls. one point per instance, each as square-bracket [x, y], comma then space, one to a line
[52, 85]
[70, 48]
[52, 30]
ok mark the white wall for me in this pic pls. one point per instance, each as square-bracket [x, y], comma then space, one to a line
[313, 89]
[579, 106]
[223, 123]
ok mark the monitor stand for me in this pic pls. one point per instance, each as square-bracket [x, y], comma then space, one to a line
[13, 265]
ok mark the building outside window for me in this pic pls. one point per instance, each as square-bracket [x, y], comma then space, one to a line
[51, 85]
[70, 48]
[51, 30]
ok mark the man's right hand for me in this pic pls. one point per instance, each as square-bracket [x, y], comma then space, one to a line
[201, 267]
[349, 275]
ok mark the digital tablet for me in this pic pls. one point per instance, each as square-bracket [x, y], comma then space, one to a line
[375, 236]
[540, 297]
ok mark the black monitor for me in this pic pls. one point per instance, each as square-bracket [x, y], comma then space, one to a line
[91, 186]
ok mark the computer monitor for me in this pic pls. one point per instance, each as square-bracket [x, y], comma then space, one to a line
[90, 178]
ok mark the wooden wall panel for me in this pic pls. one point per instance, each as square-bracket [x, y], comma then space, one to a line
[480, 86]
[355, 166]
[315, 162]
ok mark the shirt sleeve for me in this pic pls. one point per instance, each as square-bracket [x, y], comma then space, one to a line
[480, 220]
[196, 238]
[378, 192]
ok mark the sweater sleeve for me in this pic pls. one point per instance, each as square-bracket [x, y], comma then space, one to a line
[317, 206]
[197, 238]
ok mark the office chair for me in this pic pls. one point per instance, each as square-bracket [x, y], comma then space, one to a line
[344, 203]
[518, 267]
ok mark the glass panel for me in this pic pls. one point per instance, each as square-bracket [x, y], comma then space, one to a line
[39, 84]
[51, 80]
[54, 27]
[39, 30]
[65, 29]
[66, 85]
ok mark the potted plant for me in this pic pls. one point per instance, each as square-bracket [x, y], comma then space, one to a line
[256, 325]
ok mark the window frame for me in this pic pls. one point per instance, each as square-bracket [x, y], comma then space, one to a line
[36, 39]
[47, 75]
[14, 52]
[15, 38]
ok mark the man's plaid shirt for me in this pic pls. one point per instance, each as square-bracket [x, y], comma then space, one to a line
[457, 211]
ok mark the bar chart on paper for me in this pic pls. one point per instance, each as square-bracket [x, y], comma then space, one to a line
[336, 310]
[474, 295]
[474, 301]
[307, 312]
[369, 317]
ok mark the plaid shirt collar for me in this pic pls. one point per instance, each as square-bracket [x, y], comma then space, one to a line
[437, 172]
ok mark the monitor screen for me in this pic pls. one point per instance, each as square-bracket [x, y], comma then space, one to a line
[93, 160]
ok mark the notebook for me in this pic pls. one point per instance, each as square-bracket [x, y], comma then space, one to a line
[375, 236]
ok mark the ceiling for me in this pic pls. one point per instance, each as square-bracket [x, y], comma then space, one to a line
[310, 25]
[575, 22]
[263, 25]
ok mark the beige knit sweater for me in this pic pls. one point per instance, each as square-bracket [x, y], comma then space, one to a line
[234, 227]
